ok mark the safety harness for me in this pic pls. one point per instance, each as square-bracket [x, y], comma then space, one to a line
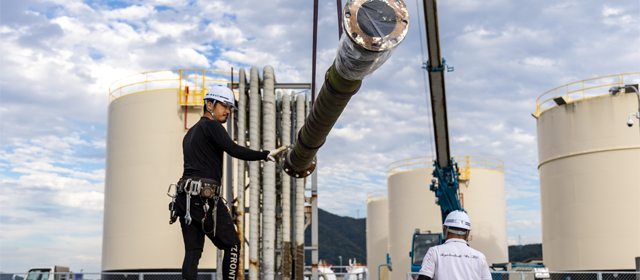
[205, 189]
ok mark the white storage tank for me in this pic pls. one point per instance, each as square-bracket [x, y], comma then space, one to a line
[589, 164]
[412, 206]
[146, 125]
[377, 231]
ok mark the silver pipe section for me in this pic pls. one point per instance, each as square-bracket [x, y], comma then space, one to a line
[269, 175]
[242, 132]
[374, 28]
[219, 257]
[314, 225]
[254, 172]
[299, 219]
[286, 191]
[279, 177]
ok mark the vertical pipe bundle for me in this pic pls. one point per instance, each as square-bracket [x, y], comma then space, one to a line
[269, 175]
[299, 219]
[242, 112]
[254, 172]
[286, 191]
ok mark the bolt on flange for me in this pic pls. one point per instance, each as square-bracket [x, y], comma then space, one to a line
[283, 159]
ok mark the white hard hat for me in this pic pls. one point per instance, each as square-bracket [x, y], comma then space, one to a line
[221, 94]
[458, 219]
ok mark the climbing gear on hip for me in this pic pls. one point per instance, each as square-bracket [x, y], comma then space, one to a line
[204, 188]
[172, 205]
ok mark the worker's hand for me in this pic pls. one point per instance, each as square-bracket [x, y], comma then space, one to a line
[274, 153]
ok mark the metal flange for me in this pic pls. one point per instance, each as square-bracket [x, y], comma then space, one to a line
[376, 25]
[283, 159]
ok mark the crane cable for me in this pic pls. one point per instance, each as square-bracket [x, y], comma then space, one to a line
[426, 90]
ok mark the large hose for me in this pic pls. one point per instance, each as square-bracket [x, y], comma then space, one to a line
[299, 199]
[269, 175]
[242, 121]
[254, 172]
[286, 192]
[374, 28]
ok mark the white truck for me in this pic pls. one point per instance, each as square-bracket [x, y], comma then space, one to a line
[50, 273]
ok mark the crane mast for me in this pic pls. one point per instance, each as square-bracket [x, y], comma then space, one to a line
[445, 173]
[445, 184]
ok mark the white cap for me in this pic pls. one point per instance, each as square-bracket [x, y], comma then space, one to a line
[458, 219]
[222, 94]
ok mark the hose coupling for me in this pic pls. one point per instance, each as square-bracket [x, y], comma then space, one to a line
[284, 160]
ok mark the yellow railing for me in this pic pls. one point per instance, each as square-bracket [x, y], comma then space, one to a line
[376, 195]
[465, 163]
[585, 89]
[191, 83]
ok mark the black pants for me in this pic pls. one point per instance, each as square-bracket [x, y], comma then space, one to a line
[226, 236]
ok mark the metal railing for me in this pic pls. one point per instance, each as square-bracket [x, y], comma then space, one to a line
[465, 163]
[495, 275]
[191, 83]
[103, 276]
[376, 195]
[581, 90]
[558, 275]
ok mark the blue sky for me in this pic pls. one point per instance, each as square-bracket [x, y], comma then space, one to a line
[59, 58]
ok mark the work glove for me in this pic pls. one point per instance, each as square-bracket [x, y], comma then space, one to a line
[274, 153]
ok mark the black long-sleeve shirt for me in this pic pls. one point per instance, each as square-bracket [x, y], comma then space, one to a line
[202, 148]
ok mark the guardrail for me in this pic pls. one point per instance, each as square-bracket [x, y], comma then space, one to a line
[465, 163]
[558, 275]
[495, 275]
[376, 195]
[105, 276]
[191, 83]
[581, 90]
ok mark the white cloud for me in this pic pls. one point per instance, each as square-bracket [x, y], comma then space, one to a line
[609, 11]
[539, 61]
[132, 13]
[524, 239]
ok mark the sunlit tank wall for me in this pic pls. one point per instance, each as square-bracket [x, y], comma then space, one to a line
[485, 202]
[589, 164]
[377, 231]
[144, 155]
[412, 205]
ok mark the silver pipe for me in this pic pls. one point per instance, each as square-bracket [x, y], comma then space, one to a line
[269, 175]
[286, 191]
[254, 172]
[278, 246]
[229, 183]
[242, 112]
[219, 257]
[299, 219]
[314, 224]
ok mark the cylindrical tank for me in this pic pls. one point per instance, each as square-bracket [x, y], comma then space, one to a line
[377, 231]
[589, 164]
[144, 155]
[412, 206]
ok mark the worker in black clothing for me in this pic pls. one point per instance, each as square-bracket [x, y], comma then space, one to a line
[198, 203]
